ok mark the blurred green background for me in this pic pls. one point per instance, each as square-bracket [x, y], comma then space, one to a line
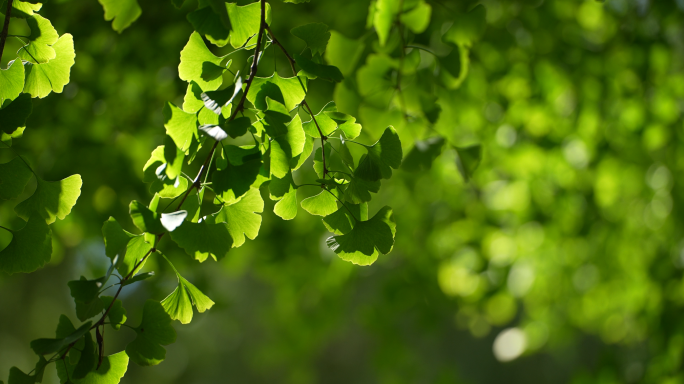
[559, 262]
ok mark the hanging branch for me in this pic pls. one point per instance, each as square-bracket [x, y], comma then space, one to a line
[5, 27]
[197, 182]
[304, 103]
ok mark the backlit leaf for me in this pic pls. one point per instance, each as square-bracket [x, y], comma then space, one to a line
[367, 239]
[242, 217]
[41, 79]
[43, 36]
[198, 64]
[123, 12]
[245, 22]
[382, 156]
[315, 35]
[154, 331]
[14, 175]
[322, 204]
[11, 82]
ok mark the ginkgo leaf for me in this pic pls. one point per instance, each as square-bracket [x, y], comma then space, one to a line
[323, 121]
[322, 204]
[137, 278]
[318, 159]
[145, 219]
[384, 17]
[421, 156]
[418, 18]
[21, 9]
[238, 126]
[29, 249]
[292, 89]
[41, 79]
[214, 131]
[468, 159]
[117, 313]
[123, 247]
[242, 217]
[362, 244]
[43, 35]
[14, 114]
[179, 303]
[216, 101]
[245, 22]
[285, 191]
[153, 165]
[285, 145]
[88, 359]
[299, 160]
[14, 175]
[11, 82]
[46, 346]
[315, 35]
[123, 12]
[346, 123]
[342, 221]
[206, 22]
[382, 156]
[154, 331]
[52, 199]
[7, 138]
[358, 190]
[344, 53]
[323, 71]
[111, 370]
[233, 181]
[198, 64]
[468, 27]
[204, 239]
[181, 126]
[85, 293]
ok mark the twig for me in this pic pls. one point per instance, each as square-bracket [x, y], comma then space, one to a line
[304, 103]
[5, 27]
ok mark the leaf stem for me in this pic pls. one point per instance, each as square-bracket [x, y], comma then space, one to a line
[7, 229]
[5, 27]
[344, 205]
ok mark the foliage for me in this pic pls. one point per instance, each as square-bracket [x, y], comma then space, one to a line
[536, 235]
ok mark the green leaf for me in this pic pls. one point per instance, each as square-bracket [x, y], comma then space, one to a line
[154, 331]
[468, 160]
[14, 175]
[169, 188]
[344, 53]
[198, 64]
[285, 145]
[145, 219]
[216, 101]
[322, 204]
[319, 70]
[173, 158]
[111, 371]
[233, 181]
[346, 123]
[29, 249]
[383, 18]
[362, 244]
[358, 191]
[315, 35]
[41, 79]
[382, 156]
[179, 303]
[43, 36]
[214, 131]
[468, 27]
[204, 239]
[417, 19]
[325, 123]
[421, 156]
[242, 217]
[238, 126]
[296, 1]
[209, 24]
[292, 89]
[88, 359]
[15, 113]
[245, 22]
[17, 376]
[52, 199]
[318, 159]
[7, 138]
[181, 126]
[11, 82]
[299, 160]
[46, 346]
[21, 9]
[137, 278]
[285, 191]
[342, 221]
[123, 12]
[85, 293]
[117, 314]
[153, 165]
[123, 248]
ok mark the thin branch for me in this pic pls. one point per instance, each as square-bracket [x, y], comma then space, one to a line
[5, 27]
[304, 103]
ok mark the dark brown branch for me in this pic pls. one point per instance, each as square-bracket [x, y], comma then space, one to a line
[5, 27]
[304, 103]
